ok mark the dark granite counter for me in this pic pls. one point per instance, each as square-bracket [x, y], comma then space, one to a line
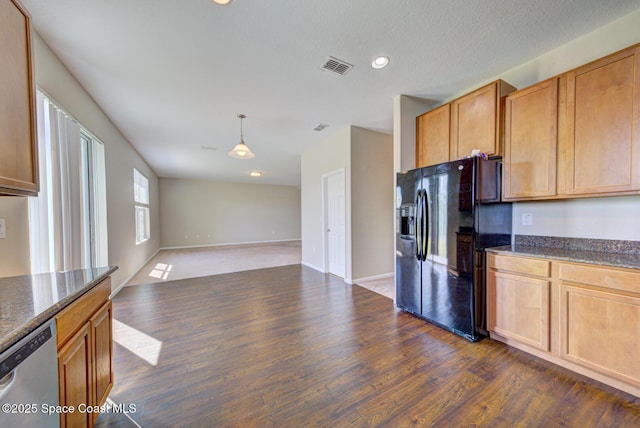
[624, 254]
[28, 301]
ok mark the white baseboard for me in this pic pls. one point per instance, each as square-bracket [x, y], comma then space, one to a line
[373, 278]
[130, 277]
[186, 247]
[319, 269]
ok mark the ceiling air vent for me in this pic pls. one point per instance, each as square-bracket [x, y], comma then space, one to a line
[320, 127]
[336, 65]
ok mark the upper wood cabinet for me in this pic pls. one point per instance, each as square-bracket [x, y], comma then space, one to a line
[603, 124]
[453, 130]
[18, 155]
[432, 137]
[531, 142]
[476, 120]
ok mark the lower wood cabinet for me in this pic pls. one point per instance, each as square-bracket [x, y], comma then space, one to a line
[580, 316]
[85, 354]
[521, 308]
[74, 372]
[600, 320]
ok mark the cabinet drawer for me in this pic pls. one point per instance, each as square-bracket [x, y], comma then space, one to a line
[523, 265]
[606, 277]
[71, 318]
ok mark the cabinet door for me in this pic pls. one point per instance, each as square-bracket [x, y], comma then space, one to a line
[18, 157]
[519, 308]
[601, 330]
[75, 378]
[603, 121]
[531, 139]
[432, 137]
[102, 347]
[473, 124]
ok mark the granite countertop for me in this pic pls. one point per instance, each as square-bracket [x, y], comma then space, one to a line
[28, 301]
[623, 254]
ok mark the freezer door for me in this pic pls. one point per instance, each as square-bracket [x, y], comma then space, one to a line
[447, 273]
[408, 265]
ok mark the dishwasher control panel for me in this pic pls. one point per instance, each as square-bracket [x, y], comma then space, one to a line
[12, 360]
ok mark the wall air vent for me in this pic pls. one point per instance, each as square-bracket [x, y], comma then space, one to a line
[336, 65]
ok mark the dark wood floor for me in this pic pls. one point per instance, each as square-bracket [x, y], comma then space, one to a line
[291, 347]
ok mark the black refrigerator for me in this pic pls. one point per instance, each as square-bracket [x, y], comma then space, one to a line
[446, 215]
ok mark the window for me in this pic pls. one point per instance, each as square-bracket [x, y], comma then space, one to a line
[68, 219]
[141, 198]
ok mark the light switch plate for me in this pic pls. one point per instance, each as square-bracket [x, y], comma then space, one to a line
[527, 219]
[3, 230]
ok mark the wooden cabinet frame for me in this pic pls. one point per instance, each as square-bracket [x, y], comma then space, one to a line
[594, 315]
[473, 121]
[598, 133]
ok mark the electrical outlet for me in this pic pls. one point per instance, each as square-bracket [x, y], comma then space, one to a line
[3, 230]
[527, 219]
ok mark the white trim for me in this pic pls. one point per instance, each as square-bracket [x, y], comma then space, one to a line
[314, 267]
[229, 245]
[123, 283]
[373, 278]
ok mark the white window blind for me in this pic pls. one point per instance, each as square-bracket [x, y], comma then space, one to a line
[68, 226]
[141, 199]
[140, 187]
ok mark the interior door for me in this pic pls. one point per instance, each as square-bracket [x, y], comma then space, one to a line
[335, 222]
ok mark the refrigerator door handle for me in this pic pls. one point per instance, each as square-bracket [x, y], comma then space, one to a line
[417, 229]
[424, 228]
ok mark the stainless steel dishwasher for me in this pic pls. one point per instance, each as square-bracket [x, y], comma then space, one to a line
[29, 380]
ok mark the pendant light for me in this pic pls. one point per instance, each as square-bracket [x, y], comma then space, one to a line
[241, 150]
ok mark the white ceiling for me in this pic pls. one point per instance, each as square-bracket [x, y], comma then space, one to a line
[173, 74]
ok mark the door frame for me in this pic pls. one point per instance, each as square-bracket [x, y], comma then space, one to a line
[325, 220]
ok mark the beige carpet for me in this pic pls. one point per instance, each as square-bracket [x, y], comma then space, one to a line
[169, 265]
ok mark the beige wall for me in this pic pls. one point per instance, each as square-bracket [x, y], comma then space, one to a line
[330, 155]
[54, 78]
[14, 249]
[372, 193]
[367, 160]
[198, 213]
[405, 111]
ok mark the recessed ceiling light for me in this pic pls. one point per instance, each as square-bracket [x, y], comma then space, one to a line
[380, 62]
[222, 1]
[256, 173]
